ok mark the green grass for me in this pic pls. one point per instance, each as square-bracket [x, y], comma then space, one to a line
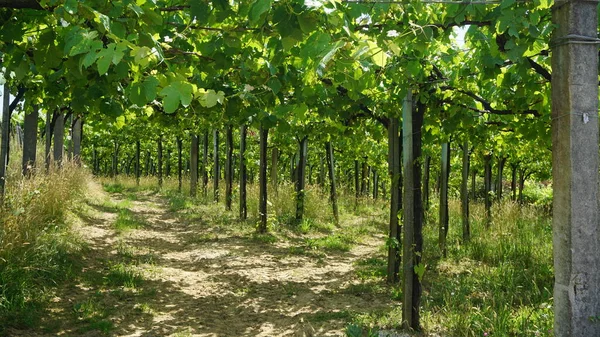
[194, 238]
[266, 238]
[178, 201]
[499, 283]
[94, 313]
[127, 220]
[113, 187]
[38, 249]
[373, 268]
[121, 275]
[324, 316]
[337, 243]
[144, 308]
[111, 206]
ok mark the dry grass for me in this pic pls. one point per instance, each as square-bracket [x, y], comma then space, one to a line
[35, 242]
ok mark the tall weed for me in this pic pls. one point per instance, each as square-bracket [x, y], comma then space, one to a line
[36, 245]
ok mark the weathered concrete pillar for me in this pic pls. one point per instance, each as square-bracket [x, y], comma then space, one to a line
[575, 168]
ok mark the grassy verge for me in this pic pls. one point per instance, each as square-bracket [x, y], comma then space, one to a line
[316, 232]
[37, 250]
[498, 284]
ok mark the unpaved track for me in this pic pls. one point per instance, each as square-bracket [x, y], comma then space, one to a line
[227, 284]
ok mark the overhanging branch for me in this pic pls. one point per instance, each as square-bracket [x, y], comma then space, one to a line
[488, 106]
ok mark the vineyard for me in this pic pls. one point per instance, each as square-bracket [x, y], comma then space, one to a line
[299, 168]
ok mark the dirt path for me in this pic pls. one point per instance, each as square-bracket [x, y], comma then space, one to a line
[178, 276]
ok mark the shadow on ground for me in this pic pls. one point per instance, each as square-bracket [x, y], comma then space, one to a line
[177, 276]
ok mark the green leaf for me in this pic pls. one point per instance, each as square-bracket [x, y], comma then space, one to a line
[150, 84]
[105, 21]
[307, 23]
[71, 6]
[300, 111]
[316, 46]
[200, 10]
[274, 84]
[142, 93]
[171, 100]
[120, 122]
[176, 93]
[507, 3]
[211, 98]
[331, 53]
[136, 94]
[149, 111]
[141, 55]
[105, 59]
[89, 58]
[80, 41]
[420, 271]
[221, 4]
[257, 10]
[112, 54]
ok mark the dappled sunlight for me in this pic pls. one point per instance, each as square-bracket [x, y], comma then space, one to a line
[166, 275]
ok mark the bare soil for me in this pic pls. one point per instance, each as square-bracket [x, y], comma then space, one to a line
[195, 281]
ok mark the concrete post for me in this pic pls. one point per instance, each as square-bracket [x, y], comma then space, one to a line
[575, 168]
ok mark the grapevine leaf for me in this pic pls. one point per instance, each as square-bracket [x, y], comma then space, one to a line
[120, 122]
[200, 10]
[275, 85]
[105, 57]
[71, 6]
[176, 93]
[150, 84]
[259, 8]
[211, 98]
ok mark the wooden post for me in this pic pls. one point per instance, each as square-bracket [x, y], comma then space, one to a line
[59, 139]
[5, 128]
[262, 203]
[179, 163]
[356, 180]
[513, 180]
[393, 264]
[301, 179]
[217, 168]
[500, 168]
[229, 168]
[473, 186]
[148, 163]
[364, 174]
[332, 190]
[194, 164]
[444, 219]
[205, 165]
[375, 185]
[160, 162]
[487, 163]
[412, 121]
[274, 160]
[426, 182]
[48, 131]
[30, 141]
[243, 173]
[464, 193]
[138, 168]
[77, 137]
